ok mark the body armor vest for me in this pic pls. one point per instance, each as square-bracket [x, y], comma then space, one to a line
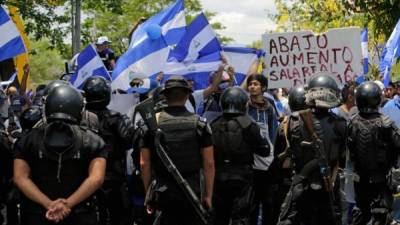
[115, 145]
[230, 145]
[370, 150]
[59, 173]
[327, 128]
[181, 140]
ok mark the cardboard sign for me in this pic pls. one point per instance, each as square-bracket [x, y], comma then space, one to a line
[292, 58]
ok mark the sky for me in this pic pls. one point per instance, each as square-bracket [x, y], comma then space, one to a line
[245, 20]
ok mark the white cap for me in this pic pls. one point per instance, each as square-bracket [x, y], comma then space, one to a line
[102, 40]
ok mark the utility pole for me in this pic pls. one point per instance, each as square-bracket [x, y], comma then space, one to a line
[76, 26]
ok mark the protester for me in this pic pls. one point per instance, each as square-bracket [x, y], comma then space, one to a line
[105, 53]
[263, 111]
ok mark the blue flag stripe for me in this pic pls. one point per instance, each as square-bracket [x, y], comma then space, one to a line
[3, 16]
[12, 48]
[181, 50]
[258, 52]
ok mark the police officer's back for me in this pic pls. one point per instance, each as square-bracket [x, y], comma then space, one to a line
[117, 131]
[60, 165]
[374, 144]
[236, 137]
[312, 192]
[187, 141]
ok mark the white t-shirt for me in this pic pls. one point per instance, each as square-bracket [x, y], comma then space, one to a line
[198, 99]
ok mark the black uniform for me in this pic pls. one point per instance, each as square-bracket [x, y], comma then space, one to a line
[59, 170]
[185, 134]
[117, 131]
[236, 139]
[374, 143]
[6, 165]
[308, 201]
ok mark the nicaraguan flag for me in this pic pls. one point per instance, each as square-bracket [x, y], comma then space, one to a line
[149, 47]
[390, 54]
[196, 55]
[364, 49]
[198, 70]
[89, 64]
[241, 59]
[11, 43]
[200, 40]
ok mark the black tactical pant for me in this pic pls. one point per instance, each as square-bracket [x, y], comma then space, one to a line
[175, 207]
[374, 202]
[309, 207]
[83, 218]
[263, 198]
[114, 205]
[233, 200]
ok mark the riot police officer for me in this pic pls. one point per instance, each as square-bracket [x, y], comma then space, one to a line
[58, 167]
[117, 131]
[236, 137]
[374, 144]
[283, 165]
[187, 141]
[88, 120]
[317, 143]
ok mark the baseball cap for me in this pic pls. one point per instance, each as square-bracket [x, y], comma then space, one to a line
[102, 40]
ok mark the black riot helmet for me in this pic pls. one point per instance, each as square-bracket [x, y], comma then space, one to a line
[368, 97]
[30, 117]
[234, 100]
[97, 91]
[52, 85]
[323, 92]
[64, 103]
[297, 99]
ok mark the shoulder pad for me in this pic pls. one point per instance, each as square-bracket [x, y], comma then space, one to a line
[244, 121]
[386, 121]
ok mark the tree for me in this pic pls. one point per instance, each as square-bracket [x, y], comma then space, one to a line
[41, 70]
[117, 24]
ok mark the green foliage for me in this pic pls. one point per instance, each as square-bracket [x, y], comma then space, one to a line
[46, 63]
[116, 26]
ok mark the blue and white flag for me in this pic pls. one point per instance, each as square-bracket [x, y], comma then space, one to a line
[200, 40]
[241, 59]
[196, 55]
[89, 64]
[9, 81]
[390, 54]
[364, 52]
[11, 42]
[150, 46]
[364, 49]
[199, 71]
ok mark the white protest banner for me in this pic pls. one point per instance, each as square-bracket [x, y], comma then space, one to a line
[292, 58]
